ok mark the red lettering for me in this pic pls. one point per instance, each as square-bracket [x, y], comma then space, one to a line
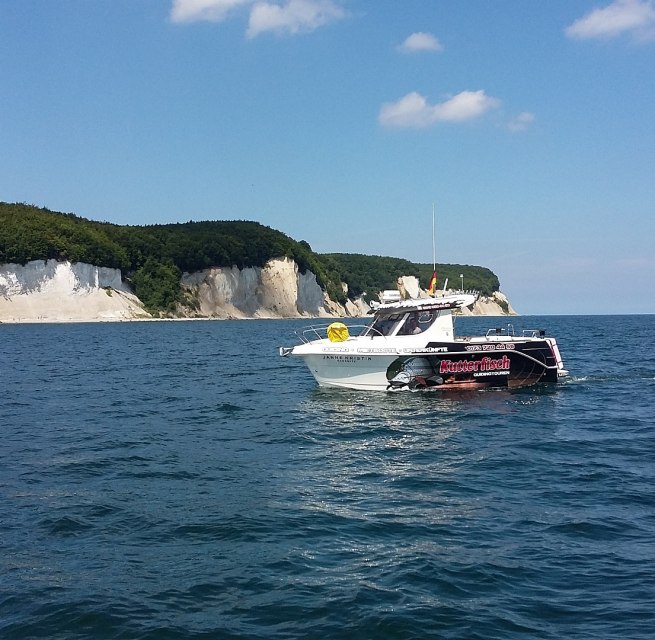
[466, 366]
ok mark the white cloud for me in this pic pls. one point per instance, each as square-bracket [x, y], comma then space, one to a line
[281, 16]
[207, 10]
[410, 111]
[414, 111]
[294, 16]
[420, 41]
[632, 17]
[465, 106]
[521, 122]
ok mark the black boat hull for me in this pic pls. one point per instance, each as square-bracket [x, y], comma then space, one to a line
[475, 365]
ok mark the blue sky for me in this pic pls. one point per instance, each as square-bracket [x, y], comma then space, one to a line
[529, 125]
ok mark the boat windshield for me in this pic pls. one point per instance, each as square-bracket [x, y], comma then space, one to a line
[385, 325]
[402, 324]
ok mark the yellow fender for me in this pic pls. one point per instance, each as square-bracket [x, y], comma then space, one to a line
[337, 332]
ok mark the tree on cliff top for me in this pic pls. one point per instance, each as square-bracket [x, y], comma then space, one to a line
[370, 274]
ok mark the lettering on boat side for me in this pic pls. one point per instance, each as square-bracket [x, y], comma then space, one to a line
[374, 350]
[484, 367]
[346, 359]
[335, 349]
[427, 350]
[491, 347]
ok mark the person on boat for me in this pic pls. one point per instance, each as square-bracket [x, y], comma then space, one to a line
[412, 326]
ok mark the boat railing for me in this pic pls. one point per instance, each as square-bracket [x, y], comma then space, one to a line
[509, 332]
[319, 332]
[533, 333]
[501, 331]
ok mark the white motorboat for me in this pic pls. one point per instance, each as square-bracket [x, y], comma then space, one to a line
[411, 344]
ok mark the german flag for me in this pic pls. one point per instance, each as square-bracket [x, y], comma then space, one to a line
[432, 289]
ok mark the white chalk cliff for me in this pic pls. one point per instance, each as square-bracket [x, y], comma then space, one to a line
[51, 291]
[54, 291]
[278, 290]
[494, 305]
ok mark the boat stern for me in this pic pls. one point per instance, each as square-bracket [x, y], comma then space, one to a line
[561, 371]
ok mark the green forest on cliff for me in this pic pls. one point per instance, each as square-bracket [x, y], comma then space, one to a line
[152, 258]
[368, 273]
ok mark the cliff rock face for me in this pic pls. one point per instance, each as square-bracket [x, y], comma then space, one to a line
[278, 290]
[54, 291]
[495, 305]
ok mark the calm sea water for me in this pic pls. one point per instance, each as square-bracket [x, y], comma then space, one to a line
[179, 480]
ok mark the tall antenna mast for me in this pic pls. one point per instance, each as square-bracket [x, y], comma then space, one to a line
[434, 252]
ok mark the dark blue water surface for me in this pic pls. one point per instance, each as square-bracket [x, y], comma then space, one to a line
[180, 480]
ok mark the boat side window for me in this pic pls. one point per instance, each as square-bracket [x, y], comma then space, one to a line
[426, 319]
[411, 325]
[417, 322]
